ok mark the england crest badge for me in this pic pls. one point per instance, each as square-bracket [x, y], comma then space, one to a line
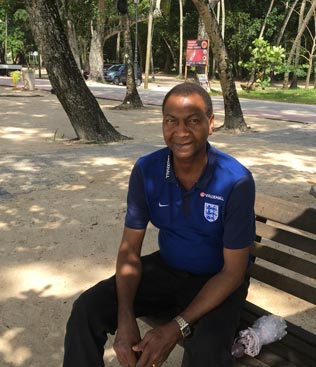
[210, 212]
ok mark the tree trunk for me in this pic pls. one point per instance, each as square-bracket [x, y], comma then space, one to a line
[286, 20]
[78, 102]
[172, 54]
[132, 99]
[312, 55]
[265, 19]
[118, 48]
[181, 40]
[72, 38]
[296, 41]
[223, 18]
[67, 18]
[149, 42]
[202, 35]
[83, 49]
[96, 46]
[96, 55]
[233, 114]
[298, 47]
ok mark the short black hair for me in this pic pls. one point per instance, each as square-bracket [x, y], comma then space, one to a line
[188, 88]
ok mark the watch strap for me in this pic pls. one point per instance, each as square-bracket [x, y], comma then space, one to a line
[184, 326]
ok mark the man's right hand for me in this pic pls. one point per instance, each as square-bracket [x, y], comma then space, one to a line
[127, 335]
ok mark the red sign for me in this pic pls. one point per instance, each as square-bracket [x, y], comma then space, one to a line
[197, 52]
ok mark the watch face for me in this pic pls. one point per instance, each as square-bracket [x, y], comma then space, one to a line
[186, 331]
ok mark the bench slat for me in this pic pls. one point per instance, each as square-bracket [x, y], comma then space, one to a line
[272, 356]
[287, 352]
[284, 259]
[299, 348]
[285, 212]
[246, 361]
[291, 239]
[284, 283]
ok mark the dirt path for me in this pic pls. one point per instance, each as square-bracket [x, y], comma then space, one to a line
[62, 207]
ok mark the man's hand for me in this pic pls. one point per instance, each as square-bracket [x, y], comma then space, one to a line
[157, 345]
[126, 336]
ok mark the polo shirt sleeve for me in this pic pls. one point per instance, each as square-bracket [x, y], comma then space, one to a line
[137, 214]
[239, 223]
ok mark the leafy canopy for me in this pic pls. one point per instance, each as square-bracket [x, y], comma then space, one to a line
[264, 60]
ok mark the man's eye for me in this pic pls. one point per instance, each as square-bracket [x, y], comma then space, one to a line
[170, 121]
[193, 121]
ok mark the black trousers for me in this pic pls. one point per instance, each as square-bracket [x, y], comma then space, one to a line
[161, 290]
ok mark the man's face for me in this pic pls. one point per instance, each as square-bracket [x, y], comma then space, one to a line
[186, 126]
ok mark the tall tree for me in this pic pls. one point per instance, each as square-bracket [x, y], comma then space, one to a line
[233, 114]
[78, 102]
[181, 39]
[132, 99]
[298, 39]
[106, 23]
[285, 22]
[311, 58]
[70, 30]
[97, 42]
[266, 19]
[149, 41]
[294, 82]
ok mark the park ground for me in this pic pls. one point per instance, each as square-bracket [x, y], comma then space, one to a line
[62, 207]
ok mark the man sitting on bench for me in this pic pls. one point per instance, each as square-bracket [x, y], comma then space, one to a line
[202, 202]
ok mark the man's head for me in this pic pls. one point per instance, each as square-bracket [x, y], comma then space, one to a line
[187, 122]
[186, 89]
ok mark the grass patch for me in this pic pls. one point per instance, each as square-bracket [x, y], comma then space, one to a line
[304, 96]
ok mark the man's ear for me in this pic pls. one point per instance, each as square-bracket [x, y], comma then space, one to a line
[210, 131]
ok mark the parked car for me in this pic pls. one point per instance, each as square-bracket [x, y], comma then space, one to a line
[86, 72]
[106, 66]
[117, 74]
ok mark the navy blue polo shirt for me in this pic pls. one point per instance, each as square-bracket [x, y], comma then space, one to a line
[195, 225]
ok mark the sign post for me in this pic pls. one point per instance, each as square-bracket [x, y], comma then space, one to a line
[197, 55]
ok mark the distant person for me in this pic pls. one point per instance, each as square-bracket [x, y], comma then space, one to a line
[202, 202]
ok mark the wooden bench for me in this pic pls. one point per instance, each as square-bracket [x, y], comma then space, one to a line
[285, 259]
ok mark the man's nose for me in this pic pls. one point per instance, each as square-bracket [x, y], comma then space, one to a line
[182, 128]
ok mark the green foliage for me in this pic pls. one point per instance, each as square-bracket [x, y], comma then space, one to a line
[19, 37]
[305, 96]
[243, 22]
[299, 70]
[83, 12]
[264, 60]
[273, 22]
[241, 29]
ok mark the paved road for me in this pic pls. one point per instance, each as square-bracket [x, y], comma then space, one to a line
[154, 96]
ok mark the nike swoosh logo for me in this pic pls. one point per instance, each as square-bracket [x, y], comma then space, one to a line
[163, 205]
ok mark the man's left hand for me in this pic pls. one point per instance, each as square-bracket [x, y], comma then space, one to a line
[157, 344]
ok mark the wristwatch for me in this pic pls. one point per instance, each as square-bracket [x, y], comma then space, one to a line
[184, 326]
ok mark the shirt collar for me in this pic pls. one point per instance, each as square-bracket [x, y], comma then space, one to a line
[206, 175]
[169, 171]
